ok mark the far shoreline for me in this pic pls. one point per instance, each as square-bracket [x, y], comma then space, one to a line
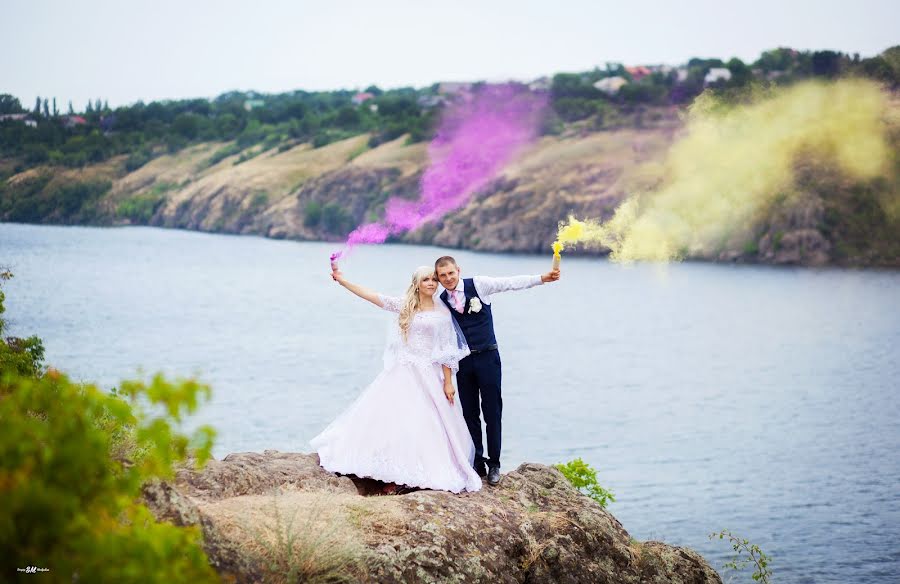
[576, 254]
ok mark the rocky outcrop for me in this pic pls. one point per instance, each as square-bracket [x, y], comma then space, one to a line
[280, 517]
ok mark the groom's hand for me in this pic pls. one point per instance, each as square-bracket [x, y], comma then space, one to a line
[551, 276]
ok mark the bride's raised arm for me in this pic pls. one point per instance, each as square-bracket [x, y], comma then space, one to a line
[361, 291]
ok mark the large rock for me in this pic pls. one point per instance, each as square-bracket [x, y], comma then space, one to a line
[280, 517]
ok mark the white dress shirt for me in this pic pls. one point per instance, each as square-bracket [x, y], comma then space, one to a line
[486, 286]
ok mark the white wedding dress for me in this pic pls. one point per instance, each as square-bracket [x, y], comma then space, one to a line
[401, 429]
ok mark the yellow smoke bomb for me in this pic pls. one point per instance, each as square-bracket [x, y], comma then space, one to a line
[557, 247]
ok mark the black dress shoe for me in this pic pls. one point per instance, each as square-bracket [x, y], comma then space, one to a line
[493, 475]
[481, 470]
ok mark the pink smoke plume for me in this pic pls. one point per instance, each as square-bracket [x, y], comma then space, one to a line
[475, 140]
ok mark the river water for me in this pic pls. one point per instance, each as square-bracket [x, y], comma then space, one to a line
[757, 399]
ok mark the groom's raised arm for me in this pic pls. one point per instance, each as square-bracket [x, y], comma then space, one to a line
[487, 286]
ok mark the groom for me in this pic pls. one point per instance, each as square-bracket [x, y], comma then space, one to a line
[469, 302]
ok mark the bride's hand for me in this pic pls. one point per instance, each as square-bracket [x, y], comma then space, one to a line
[449, 392]
[337, 276]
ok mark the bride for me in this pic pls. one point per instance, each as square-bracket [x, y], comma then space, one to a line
[406, 427]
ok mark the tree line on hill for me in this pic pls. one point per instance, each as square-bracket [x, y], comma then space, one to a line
[252, 123]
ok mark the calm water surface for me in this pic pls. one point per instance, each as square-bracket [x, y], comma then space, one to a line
[756, 399]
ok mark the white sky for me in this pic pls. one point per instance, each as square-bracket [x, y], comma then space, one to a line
[123, 51]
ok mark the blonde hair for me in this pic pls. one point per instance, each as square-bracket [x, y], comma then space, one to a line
[411, 304]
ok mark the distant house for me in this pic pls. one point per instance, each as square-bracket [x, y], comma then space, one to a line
[639, 72]
[717, 74]
[681, 74]
[73, 121]
[611, 85]
[250, 104]
[541, 84]
[18, 118]
[361, 98]
[429, 101]
[454, 88]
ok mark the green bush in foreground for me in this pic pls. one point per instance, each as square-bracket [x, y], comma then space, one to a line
[584, 478]
[23, 356]
[72, 462]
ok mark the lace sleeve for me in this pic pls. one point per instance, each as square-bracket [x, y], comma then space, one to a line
[449, 346]
[390, 303]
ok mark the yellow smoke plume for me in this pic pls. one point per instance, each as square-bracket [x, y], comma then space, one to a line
[733, 162]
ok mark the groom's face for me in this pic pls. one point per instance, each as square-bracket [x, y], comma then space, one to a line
[448, 274]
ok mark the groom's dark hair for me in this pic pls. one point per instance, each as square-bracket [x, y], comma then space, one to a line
[443, 261]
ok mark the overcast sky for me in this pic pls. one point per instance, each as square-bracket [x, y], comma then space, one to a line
[124, 50]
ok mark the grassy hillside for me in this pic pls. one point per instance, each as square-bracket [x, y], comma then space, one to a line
[321, 193]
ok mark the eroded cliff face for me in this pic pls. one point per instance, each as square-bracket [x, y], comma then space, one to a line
[321, 194]
[281, 517]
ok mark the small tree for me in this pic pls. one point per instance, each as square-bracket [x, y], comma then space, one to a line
[826, 63]
[755, 556]
[584, 478]
[10, 104]
[73, 460]
[23, 356]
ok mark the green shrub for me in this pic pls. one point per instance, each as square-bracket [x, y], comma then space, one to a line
[259, 201]
[223, 153]
[336, 219]
[584, 478]
[754, 556]
[324, 138]
[312, 214]
[23, 201]
[571, 109]
[246, 155]
[68, 505]
[73, 460]
[361, 149]
[140, 208]
[22, 356]
[35, 200]
[253, 133]
[138, 159]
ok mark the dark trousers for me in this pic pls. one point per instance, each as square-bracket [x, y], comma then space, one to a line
[479, 376]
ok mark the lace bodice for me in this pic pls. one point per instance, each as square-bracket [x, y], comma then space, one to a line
[432, 337]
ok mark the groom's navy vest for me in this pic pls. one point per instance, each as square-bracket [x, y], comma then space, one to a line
[478, 327]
